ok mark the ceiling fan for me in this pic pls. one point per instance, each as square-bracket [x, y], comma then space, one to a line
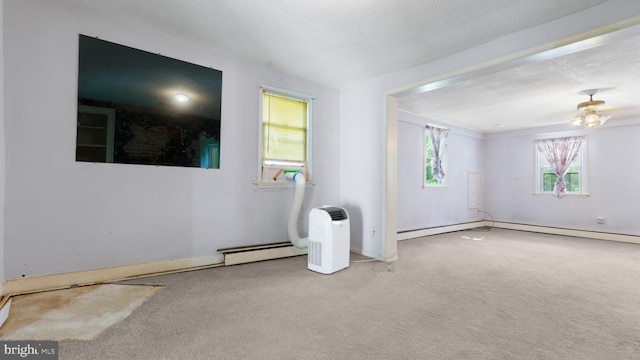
[590, 113]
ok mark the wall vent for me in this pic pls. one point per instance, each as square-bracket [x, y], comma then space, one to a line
[247, 254]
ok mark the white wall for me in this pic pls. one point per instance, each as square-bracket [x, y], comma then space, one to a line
[63, 215]
[363, 122]
[361, 168]
[612, 181]
[420, 207]
[2, 145]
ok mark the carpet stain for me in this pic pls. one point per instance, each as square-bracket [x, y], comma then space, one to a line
[78, 313]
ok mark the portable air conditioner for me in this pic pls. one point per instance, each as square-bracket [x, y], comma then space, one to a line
[329, 242]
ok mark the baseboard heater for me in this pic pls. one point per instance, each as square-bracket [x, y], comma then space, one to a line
[247, 254]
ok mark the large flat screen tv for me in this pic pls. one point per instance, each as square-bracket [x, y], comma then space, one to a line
[137, 107]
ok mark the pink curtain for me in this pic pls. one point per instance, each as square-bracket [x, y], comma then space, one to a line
[560, 153]
[437, 136]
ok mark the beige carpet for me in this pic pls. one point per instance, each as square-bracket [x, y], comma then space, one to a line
[78, 313]
[470, 295]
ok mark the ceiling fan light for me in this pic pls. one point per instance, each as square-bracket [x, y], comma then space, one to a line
[591, 119]
[603, 119]
[577, 120]
[587, 114]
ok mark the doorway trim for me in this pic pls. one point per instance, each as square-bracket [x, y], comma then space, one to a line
[567, 45]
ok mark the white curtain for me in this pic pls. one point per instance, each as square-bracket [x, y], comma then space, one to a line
[437, 137]
[560, 153]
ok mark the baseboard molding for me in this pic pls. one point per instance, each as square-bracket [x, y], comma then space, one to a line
[260, 254]
[568, 232]
[356, 250]
[635, 239]
[97, 276]
[90, 277]
[406, 235]
[360, 251]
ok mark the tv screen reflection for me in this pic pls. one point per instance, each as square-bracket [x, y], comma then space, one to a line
[136, 107]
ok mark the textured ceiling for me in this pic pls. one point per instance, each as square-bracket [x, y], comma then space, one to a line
[338, 43]
[541, 93]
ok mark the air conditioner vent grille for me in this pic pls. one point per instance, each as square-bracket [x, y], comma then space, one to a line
[315, 253]
[336, 213]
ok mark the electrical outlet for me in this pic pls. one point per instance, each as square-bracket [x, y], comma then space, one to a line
[600, 220]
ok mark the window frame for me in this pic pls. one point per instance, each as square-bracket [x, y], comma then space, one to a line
[109, 128]
[539, 181]
[306, 168]
[445, 161]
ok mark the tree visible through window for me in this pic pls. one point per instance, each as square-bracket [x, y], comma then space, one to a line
[560, 166]
[571, 178]
[435, 159]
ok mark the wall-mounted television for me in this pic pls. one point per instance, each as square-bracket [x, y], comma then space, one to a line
[137, 107]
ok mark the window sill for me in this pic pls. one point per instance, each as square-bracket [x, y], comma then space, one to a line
[266, 185]
[434, 187]
[569, 196]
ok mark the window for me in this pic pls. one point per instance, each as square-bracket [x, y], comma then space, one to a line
[435, 156]
[560, 166]
[95, 134]
[285, 141]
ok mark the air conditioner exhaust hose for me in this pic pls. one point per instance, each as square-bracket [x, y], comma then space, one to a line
[298, 196]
